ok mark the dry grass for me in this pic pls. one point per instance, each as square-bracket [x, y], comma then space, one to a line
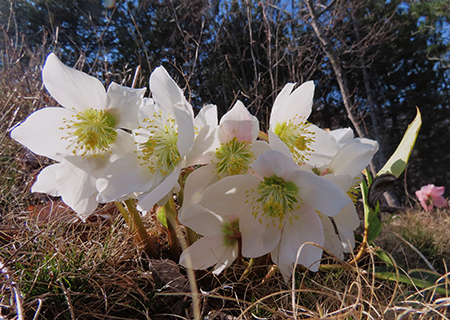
[71, 270]
[63, 269]
[418, 230]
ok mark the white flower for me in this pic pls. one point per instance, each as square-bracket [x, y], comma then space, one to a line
[344, 170]
[219, 245]
[84, 135]
[289, 131]
[231, 147]
[164, 137]
[278, 209]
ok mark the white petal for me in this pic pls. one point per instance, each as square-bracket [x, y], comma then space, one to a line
[165, 91]
[75, 181]
[280, 102]
[46, 181]
[147, 109]
[41, 132]
[149, 199]
[296, 106]
[258, 238]
[259, 147]
[319, 193]
[124, 102]
[347, 221]
[325, 147]
[228, 196]
[204, 148]
[123, 177]
[196, 183]
[278, 145]
[186, 132]
[353, 157]
[238, 123]
[332, 241]
[85, 207]
[307, 228]
[274, 163]
[209, 251]
[344, 182]
[207, 116]
[200, 219]
[343, 136]
[124, 143]
[72, 89]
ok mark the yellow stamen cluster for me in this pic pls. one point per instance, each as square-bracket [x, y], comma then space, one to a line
[90, 132]
[234, 157]
[160, 151]
[278, 199]
[354, 191]
[297, 137]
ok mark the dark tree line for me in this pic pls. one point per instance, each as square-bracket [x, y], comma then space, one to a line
[372, 62]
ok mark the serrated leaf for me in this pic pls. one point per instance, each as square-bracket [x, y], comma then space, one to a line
[397, 162]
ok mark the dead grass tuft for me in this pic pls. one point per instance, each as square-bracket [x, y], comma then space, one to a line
[427, 232]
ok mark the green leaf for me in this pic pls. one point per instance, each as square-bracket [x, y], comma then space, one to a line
[384, 256]
[161, 215]
[422, 279]
[397, 163]
[371, 220]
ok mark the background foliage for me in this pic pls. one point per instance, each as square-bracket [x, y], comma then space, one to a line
[391, 56]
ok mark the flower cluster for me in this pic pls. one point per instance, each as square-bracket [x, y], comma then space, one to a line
[287, 195]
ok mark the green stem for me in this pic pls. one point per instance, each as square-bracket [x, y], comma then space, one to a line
[125, 214]
[191, 236]
[133, 219]
[254, 262]
[172, 225]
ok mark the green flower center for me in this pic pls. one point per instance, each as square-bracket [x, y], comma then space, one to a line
[278, 199]
[231, 232]
[234, 157]
[90, 132]
[297, 137]
[160, 151]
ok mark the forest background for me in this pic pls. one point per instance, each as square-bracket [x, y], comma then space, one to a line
[372, 61]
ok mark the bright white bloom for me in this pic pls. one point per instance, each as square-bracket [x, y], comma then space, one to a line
[219, 245]
[165, 135]
[231, 147]
[228, 149]
[344, 170]
[84, 136]
[278, 209]
[289, 131]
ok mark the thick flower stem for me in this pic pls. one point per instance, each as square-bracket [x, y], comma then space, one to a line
[362, 247]
[125, 214]
[133, 219]
[172, 225]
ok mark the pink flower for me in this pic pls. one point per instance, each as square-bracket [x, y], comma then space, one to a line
[430, 195]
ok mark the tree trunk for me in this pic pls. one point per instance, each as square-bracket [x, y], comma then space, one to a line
[342, 81]
[336, 64]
